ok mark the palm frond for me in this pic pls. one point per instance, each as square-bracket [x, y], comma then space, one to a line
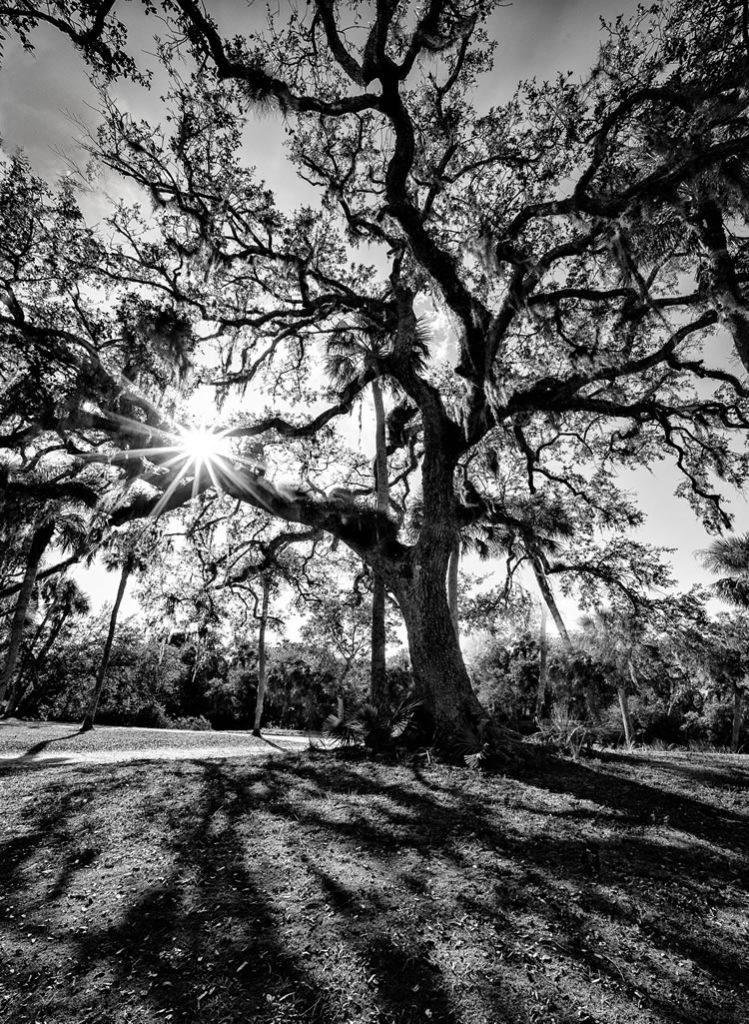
[729, 555]
[343, 361]
[423, 338]
[348, 732]
[733, 590]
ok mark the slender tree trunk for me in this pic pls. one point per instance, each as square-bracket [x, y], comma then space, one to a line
[17, 691]
[453, 568]
[19, 688]
[26, 700]
[548, 595]
[621, 692]
[543, 663]
[550, 603]
[629, 729]
[52, 570]
[379, 694]
[378, 691]
[39, 542]
[262, 669]
[88, 721]
[28, 703]
[738, 717]
[629, 734]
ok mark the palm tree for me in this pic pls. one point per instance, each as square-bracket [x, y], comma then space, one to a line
[730, 557]
[526, 530]
[262, 655]
[63, 599]
[378, 686]
[12, 534]
[129, 551]
[539, 537]
[614, 635]
[72, 533]
[543, 664]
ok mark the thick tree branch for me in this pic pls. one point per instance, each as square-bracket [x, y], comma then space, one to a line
[256, 80]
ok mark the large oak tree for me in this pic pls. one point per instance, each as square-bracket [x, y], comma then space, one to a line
[582, 243]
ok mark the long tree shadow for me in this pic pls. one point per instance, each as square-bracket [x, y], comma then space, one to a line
[305, 890]
[228, 921]
[38, 748]
[209, 928]
[551, 866]
[554, 865]
[11, 764]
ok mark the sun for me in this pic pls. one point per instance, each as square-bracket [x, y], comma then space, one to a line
[203, 455]
[203, 446]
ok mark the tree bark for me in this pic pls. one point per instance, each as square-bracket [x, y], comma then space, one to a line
[26, 700]
[549, 602]
[452, 585]
[460, 723]
[543, 663]
[88, 721]
[262, 668]
[39, 542]
[629, 732]
[379, 695]
[378, 690]
[19, 689]
[548, 595]
[738, 717]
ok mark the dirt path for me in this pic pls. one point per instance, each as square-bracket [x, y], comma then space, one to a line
[57, 743]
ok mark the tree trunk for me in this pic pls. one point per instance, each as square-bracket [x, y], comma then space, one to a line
[28, 702]
[548, 595]
[737, 718]
[452, 585]
[262, 669]
[88, 721]
[20, 687]
[543, 664]
[52, 570]
[39, 542]
[378, 691]
[379, 694]
[550, 603]
[460, 723]
[629, 732]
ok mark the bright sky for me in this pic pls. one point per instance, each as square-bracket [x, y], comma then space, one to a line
[40, 93]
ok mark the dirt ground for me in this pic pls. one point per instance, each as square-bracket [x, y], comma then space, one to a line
[297, 887]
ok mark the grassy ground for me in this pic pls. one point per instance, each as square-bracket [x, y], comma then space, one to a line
[297, 888]
[61, 741]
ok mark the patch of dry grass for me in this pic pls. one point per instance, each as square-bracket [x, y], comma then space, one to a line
[43, 740]
[306, 889]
